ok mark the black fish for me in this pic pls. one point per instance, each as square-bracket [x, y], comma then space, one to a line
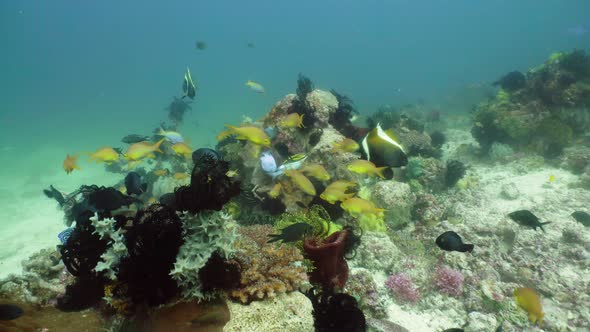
[55, 194]
[133, 184]
[133, 138]
[582, 217]
[201, 45]
[108, 199]
[454, 330]
[512, 81]
[527, 218]
[10, 312]
[451, 241]
[188, 87]
[291, 233]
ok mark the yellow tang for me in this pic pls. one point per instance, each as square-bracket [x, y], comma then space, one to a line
[275, 191]
[529, 300]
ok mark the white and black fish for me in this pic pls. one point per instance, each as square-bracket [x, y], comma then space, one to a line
[383, 148]
[188, 87]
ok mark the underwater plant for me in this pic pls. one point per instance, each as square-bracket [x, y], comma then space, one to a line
[437, 139]
[336, 312]
[386, 115]
[210, 187]
[341, 118]
[455, 170]
[577, 63]
[555, 136]
[300, 104]
[512, 81]
[448, 281]
[153, 241]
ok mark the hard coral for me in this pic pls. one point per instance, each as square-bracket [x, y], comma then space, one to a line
[268, 270]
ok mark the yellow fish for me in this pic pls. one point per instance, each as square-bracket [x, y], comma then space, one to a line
[180, 176]
[339, 190]
[232, 173]
[361, 166]
[316, 171]
[255, 86]
[140, 150]
[246, 133]
[346, 145]
[551, 178]
[292, 120]
[529, 300]
[70, 164]
[105, 154]
[152, 200]
[301, 181]
[358, 208]
[275, 191]
[182, 149]
[161, 172]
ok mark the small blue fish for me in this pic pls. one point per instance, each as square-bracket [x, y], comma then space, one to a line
[268, 163]
[65, 235]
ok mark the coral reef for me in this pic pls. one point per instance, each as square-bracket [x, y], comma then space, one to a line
[330, 267]
[289, 312]
[398, 199]
[204, 233]
[269, 269]
[448, 281]
[402, 287]
[361, 285]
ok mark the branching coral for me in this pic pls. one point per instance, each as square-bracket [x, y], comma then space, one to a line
[204, 233]
[268, 270]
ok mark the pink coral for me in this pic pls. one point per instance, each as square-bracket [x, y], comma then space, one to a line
[402, 287]
[449, 281]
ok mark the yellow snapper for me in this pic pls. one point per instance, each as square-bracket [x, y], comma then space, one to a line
[180, 176]
[529, 300]
[246, 133]
[292, 120]
[339, 190]
[255, 86]
[138, 151]
[182, 149]
[359, 208]
[275, 191]
[105, 154]
[301, 181]
[346, 145]
[316, 171]
[362, 166]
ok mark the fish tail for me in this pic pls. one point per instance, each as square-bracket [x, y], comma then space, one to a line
[157, 146]
[544, 223]
[301, 121]
[467, 248]
[273, 238]
[379, 171]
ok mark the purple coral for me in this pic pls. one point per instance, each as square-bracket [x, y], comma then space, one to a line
[449, 281]
[402, 287]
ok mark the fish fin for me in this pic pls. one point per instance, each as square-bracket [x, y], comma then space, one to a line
[144, 187]
[467, 248]
[543, 223]
[379, 171]
[274, 238]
